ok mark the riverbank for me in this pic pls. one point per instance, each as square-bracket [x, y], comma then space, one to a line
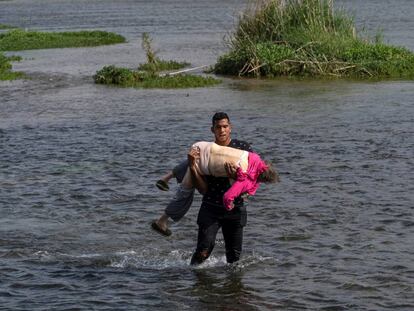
[308, 38]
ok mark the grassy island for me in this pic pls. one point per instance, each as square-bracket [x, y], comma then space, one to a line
[152, 74]
[5, 68]
[18, 39]
[308, 38]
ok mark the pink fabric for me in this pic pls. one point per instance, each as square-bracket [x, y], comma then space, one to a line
[245, 182]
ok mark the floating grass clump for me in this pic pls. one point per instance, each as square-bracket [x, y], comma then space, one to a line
[308, 38]
[18, 39]
[5, 68]
[4, 26]
[133, 78]
[149, 74]
[162, 65]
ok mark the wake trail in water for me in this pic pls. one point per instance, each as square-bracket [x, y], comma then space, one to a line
[145, 259]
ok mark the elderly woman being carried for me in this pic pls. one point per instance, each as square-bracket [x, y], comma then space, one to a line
[211, 159]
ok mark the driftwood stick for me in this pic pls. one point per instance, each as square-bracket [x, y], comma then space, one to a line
[309, 62]
[303, 46]
[181, 71]
[344, 68]
[367, 71]
[257, 67]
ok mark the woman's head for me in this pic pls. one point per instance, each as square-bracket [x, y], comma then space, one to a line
[269, 175]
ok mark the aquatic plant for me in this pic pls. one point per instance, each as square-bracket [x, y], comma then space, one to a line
[149, 74]
[162, 65]
[18, 39]
[5, 68]
[154, 63]
[307, 38]
[4, 26]
[111, 75]
[147, 47]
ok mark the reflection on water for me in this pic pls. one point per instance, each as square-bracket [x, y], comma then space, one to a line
[225, 291]
[78, 162]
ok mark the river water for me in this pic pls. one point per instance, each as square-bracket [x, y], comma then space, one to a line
[78, 162]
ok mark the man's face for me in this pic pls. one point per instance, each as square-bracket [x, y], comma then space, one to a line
[222, 130]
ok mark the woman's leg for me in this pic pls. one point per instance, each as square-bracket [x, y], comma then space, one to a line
[178, 206]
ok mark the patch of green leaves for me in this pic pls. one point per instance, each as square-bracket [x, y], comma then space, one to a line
[5, 68]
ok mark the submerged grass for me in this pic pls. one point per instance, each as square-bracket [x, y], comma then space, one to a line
[148, 75]
[307, 38]
[18, 39]
[5, 68]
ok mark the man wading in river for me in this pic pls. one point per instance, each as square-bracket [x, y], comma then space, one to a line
[213, 215]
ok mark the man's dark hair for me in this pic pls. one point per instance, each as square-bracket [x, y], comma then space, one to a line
[219, 116]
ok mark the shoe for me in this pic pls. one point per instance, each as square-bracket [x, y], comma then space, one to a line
[162, 185]
[166, 232]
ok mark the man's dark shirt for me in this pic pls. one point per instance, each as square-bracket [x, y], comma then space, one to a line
[217, 186]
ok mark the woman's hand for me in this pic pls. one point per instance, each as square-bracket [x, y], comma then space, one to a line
[230, 207]
[193, 155]
[231, 170]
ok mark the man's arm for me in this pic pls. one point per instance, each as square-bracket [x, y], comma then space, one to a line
[231, 170]
[198, 179]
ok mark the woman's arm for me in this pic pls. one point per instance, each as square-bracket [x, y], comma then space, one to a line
[235, 190]
[198, 179]
[239, 187]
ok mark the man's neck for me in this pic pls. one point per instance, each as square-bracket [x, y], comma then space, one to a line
[223, 144]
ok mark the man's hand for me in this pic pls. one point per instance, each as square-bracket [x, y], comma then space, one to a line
[231, 170]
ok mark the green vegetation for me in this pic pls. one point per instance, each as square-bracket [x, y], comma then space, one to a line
[17, 39]
[4, 26]
[162, 65]
[149, 74]
[308, 38]
[5, 68]
[132, 78]
[154, 63]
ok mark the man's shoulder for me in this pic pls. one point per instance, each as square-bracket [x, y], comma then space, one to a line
[240, 144]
